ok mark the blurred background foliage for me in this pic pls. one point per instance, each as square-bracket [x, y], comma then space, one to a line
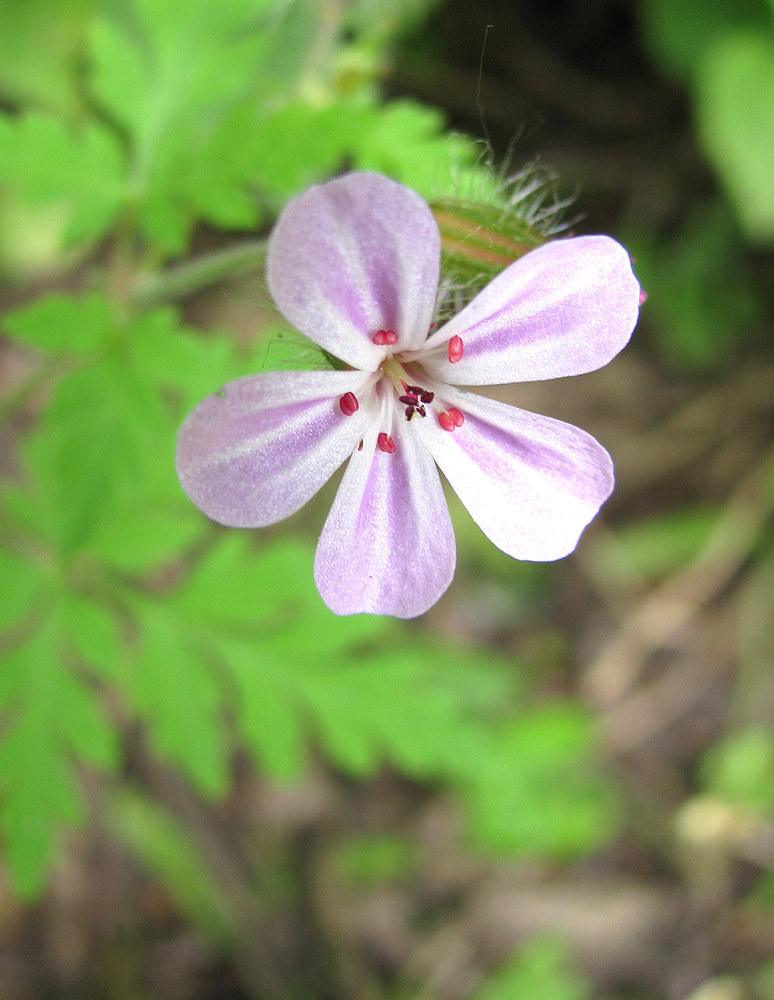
[559, 783]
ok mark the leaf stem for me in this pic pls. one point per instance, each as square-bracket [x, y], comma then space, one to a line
[184, 279]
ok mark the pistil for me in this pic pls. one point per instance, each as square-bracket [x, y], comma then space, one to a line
[397, 375]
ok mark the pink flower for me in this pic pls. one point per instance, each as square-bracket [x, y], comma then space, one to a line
[354, 265]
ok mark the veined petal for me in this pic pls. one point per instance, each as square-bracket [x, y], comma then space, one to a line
[256, 451]
[354, 256]
[563, 309]
[387, 547]
[531, 483]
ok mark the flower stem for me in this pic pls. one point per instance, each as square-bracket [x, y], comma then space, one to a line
[184, 279]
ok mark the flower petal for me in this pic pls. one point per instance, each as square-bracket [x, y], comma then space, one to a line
[566, 308]
[354, 256]
[387, 547]
[256, 451]
[531, 483]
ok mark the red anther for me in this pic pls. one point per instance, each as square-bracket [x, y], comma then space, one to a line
[456, 416]
[409, 412]
[349, 404]
[421, 411]
[455, 350]
[427, 397]
[410, 399]
[380, 338]
[360, 446]
[385, 443]
[446, 422]
[390, 337]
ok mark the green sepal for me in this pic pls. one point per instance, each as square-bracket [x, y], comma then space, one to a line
[479, 241]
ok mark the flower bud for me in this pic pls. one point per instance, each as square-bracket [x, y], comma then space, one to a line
[479, 241]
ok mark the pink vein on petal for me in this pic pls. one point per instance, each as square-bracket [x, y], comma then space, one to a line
[566, 308]
[256, 452]
[351, 257]
[388, 544]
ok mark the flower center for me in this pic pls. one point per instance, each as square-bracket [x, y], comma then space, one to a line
[413, 397]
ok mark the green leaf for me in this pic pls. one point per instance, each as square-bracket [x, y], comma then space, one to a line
[409, 141]
[394, 706]
[738, 130]
[541, 968]
[740, 767]
[176, 85]
[655, 546]
[239, 585]
[403, 139]
[268, 714]
[679, 34]
[301, 673]
[20, 584]
[365, 705]
[93, 632]
[39, 48]
[301, 142]
[534, 791]
[103, 452]
[174, 691]
[93, 444]
[174, 357]
[167, 849]
[50, 714]
[702, 298]
[141, 536]
[63, 324]
[373, 859]
[47, 164]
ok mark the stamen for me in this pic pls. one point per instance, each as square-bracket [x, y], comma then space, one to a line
[451, 419]
[382, 337]
[385, 443]
[425, 396]
[349, 404]
[455, 350]
[360, 446]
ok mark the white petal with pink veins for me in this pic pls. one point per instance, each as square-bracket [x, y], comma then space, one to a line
[566, 308]
[255, 452]
[354, 256]
[388, 545]
[530, 482]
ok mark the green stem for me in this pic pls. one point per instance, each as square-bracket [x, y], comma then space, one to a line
[184, 279]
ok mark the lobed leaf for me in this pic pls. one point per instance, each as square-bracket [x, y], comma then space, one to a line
[173, 689]
[535, 792]
[738, 133]
[63, 324]
[541, 968]
[45, 163]
[50, 714]
[21, 585]
[174, 83]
